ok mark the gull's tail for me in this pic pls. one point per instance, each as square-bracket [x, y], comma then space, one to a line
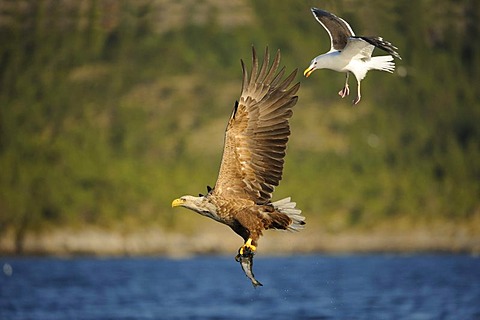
[383, 63]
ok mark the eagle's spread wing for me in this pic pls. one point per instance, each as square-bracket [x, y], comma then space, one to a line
[257, 133]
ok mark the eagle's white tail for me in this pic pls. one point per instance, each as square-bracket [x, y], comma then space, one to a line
[287, 207]
[383, 63]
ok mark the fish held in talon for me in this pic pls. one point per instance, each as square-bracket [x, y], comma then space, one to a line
[245, 257]
[254, 151]
[350, 53]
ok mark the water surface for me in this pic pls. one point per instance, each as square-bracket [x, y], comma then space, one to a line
[298, 287]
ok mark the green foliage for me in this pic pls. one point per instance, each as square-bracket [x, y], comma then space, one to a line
[109, 110]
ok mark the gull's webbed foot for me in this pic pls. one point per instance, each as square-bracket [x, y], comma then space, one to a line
[344, 92]
[356, 101]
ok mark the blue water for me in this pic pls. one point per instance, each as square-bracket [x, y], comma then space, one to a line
[299, 287]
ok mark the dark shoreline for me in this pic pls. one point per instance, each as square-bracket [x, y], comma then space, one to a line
[221, 241]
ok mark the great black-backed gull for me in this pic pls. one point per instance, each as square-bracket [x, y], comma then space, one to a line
[350, 53]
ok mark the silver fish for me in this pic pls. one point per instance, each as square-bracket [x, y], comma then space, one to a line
[246, 261]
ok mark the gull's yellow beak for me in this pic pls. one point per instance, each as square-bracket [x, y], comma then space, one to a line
[308, 71]
[177, 202]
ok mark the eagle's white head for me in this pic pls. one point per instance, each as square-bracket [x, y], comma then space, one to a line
[200, 204]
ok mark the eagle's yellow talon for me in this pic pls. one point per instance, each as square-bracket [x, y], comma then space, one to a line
[248, 246]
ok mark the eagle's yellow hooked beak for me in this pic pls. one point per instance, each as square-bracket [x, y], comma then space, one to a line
[308, 71]
[177, 202]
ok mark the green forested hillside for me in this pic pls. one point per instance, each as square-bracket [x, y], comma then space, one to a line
[110, 109]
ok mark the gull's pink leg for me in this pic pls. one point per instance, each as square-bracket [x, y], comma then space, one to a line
[345, 90]
[359, 96]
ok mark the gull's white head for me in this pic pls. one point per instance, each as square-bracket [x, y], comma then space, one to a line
[311, 68]
[331, 60]
[317, 63]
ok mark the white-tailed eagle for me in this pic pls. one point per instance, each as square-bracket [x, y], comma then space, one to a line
[253, 156]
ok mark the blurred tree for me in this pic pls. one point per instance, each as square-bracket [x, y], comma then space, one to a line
[109, 109]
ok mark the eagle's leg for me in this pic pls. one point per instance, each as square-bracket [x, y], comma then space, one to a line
[248, 249]
[359, 96]
[345, 90]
